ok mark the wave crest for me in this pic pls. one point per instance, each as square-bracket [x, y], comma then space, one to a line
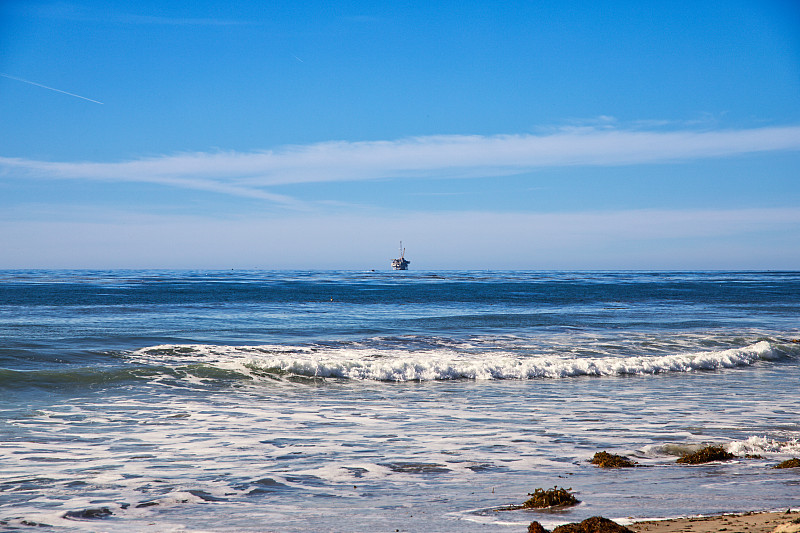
[362, 363]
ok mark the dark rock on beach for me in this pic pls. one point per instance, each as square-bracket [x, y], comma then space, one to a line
[89, 514]
[706, 455]
[790, 463]
[610, 460]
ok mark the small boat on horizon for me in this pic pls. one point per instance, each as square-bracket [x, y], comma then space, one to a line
[401, 263]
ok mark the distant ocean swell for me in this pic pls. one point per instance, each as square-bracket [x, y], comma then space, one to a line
[360, 363]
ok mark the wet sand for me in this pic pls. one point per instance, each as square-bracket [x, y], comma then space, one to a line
[780, 522]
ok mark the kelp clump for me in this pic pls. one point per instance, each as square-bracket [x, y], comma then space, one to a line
[536, 527]
[706, 455]
[595, 524]
[555, 497]
[610, 460]
[544, 499]
[790, 463]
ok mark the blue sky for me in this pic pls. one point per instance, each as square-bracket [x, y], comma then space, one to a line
[520, 135]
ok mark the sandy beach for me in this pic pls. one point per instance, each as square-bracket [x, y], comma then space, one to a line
[778, 522]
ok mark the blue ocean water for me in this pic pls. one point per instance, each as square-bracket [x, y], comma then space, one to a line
[367, 401]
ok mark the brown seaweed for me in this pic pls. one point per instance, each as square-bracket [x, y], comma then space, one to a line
[789, 463]
[595, 524]
[544, 499]
[706, 455]
[610, 460]
[536, 527]
[555, 497]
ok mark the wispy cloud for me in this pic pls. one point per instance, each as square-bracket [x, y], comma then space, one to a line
[452, 156]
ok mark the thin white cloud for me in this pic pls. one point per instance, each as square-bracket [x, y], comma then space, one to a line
[453, 156]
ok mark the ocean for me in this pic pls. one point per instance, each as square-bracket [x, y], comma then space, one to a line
[390, 401]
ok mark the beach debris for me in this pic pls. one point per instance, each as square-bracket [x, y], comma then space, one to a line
[706, 455]
[609, 460]
[789, 463]
[595, 524]
[90, 513]
[555, 497]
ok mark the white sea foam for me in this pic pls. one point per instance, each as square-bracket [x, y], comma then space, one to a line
[277, 453]
[788, 446]
[364, 363]
[760, 445]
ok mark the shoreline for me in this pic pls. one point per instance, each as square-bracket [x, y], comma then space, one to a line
[751, 522]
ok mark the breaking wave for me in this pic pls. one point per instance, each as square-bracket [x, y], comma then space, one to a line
[442, 363]
[760, 445]
[785, 444]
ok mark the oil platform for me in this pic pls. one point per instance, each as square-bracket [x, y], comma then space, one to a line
[401, 263]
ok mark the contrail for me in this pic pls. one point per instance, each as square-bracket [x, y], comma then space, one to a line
[51, 88]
